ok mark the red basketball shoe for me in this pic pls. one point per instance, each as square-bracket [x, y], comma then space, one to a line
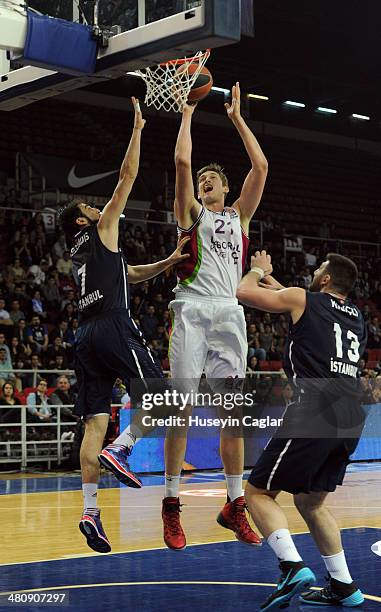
[233, 516]
[174, 536]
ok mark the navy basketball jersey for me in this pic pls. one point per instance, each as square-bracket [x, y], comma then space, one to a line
[328, 340]
[100, 275]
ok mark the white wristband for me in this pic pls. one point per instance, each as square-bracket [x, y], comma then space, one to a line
[259, 271]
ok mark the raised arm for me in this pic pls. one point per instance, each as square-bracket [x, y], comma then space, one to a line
[292, 299]
[108, 225]
[253, 186]
[187, 208]
[139, 274]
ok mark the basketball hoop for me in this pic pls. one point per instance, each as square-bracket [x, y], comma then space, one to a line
[168, 86]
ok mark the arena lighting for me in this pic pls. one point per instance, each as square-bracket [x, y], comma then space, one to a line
[257, 97]
[221, 90]
[364, 117]
[323, 109]
[292, 103]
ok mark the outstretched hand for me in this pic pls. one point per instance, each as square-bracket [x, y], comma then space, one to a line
[262, 260]
[178, 254]
[139, 122]
[234, 109]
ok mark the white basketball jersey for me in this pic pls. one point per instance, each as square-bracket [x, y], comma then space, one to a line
[218, 250]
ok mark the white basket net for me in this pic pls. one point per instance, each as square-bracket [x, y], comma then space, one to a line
[169, 84]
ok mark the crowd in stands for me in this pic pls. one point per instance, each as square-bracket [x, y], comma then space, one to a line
[39, 320]
[39, 314]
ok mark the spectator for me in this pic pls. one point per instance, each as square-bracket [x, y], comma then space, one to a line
[366, 313]
[253, 366]
[15, 313]
[31, 379]
[8, 399]
[69, 313]
[6, 369]
[273, 353]
[287, 394]
[22, 251]
[150, 323]
[21, 332]
[5, 346]
[266, 338]
[21, 295]
[64, 264]
[136, 305]
[160, 342]
[4, 314]
[37, 336]
[64, 333]
[253, 343]
[307, 277]
[59, 247]
[18, 350]
[52, 294]
[39, 403]
[39, 275]
[69, 299]
[63, 396]
[310, 258]
[17, 271]
[361, 367]
[57, 364]
[118, 391]
[281, 326]
[54, 349]
[159, 304]
[38, 307]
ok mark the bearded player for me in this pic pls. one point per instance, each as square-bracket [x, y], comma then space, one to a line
[209, 328]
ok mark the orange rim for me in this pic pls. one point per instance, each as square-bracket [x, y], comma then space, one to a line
[185, 60]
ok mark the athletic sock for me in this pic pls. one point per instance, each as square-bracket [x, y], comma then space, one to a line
[283, 545]
[234, 486]
[337, 567]
[90, 490]
[172, 485]
[126, 438]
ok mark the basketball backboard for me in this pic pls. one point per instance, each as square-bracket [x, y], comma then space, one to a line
[143, 33]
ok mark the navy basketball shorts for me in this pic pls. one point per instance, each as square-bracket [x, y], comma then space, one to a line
[109, 347]
[303, 465]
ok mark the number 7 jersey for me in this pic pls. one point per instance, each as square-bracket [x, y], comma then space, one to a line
[100, 275]
[218, 250]
[328, 340]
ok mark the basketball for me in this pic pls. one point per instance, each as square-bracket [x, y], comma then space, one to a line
[202, 85]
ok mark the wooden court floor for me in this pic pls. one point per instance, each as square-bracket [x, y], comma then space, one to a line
[43, 525]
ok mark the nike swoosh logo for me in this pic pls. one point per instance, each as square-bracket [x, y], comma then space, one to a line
[77, 182]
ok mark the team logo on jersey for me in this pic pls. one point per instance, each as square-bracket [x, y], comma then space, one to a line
[223, 248]
[376, 548]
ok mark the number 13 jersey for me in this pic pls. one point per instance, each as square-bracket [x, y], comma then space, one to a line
[328, 340]
[218, 250]
[100, 275]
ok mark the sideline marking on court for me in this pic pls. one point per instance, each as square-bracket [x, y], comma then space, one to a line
[159, 583]
[140, 550]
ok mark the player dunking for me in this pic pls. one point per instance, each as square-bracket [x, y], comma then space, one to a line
[326, 341]
[209, 329]
[107, 344]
